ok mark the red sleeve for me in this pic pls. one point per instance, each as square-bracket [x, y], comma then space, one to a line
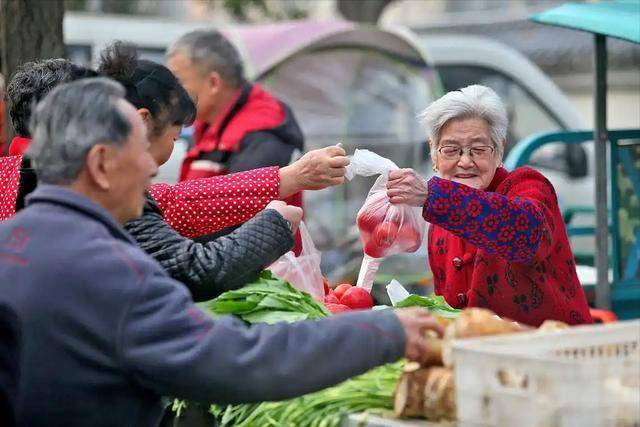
[203, 206]
[516, 226]
[9, 185]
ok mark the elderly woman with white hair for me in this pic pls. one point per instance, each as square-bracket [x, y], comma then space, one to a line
[497, 238]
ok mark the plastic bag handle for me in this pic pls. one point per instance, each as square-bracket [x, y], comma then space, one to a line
[368, 271]
[307, 242]
[368, 163]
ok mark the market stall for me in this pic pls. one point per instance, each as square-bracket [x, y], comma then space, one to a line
[485, 370]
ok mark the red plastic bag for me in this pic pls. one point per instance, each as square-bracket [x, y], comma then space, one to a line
[385, 228]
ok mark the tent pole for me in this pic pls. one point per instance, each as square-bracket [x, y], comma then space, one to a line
[600, 137]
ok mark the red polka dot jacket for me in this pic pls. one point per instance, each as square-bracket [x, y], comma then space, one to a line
[505, 248]
[204, 206]
[9, 183]
[193, 208]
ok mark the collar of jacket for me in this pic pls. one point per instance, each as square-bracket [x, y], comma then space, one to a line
[500, 175]
[150, 204]
[80, 203]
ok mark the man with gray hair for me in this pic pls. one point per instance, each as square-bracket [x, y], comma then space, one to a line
[239, 126]
[105, 332]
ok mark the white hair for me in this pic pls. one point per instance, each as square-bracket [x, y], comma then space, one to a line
[473, 101]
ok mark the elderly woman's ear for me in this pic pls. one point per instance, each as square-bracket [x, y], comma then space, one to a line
[432, 153]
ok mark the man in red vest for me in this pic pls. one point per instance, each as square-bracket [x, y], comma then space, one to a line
[239, 125]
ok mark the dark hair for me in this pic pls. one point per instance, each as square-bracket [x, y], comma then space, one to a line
[148, 85]
[32, 81]
[210, 50]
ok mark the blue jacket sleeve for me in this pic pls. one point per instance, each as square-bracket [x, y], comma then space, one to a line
[172, 347]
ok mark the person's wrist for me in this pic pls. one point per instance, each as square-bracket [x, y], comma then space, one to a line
[288, 182]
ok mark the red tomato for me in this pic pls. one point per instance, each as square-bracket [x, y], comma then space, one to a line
[325, 284]
[385, 234]
[341, 289]
[337, 308]
[357, 299]
[373, 250]
[372, 214]
[409, 238]
[331, 299]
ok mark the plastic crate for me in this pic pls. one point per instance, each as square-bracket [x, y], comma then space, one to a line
[587, 376]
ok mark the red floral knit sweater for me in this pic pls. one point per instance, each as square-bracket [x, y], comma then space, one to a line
[505, 248]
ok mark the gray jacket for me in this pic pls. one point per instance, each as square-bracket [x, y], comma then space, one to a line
[106, 332]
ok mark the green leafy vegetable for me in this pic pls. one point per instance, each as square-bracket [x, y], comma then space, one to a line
[435, 303]
[271, 300]
[268, 300]
[371, 392]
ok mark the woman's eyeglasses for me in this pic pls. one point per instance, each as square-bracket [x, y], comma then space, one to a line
[478, 152]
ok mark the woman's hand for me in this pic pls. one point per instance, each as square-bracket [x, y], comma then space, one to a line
[316, 170]
[293, 214]
[406, 186]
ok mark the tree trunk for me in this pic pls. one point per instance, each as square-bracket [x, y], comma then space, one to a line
[366, 11]
[29, 29]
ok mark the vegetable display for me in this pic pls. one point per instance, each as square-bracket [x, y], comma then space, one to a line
[372, 392]
[346, 297]
[405, 390]
[437, 305]
[429, 391]
[268, 300]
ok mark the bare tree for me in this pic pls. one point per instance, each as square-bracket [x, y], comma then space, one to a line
[29, 29]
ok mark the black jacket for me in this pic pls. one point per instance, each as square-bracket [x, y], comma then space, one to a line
[28, 182]
[208, 269]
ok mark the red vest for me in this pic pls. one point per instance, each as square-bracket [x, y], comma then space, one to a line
[261, 111]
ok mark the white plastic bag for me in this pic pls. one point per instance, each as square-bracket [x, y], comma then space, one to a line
[303, 271]
[396, 292]
[385, 228]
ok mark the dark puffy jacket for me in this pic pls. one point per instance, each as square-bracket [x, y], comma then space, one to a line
[211, 268]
